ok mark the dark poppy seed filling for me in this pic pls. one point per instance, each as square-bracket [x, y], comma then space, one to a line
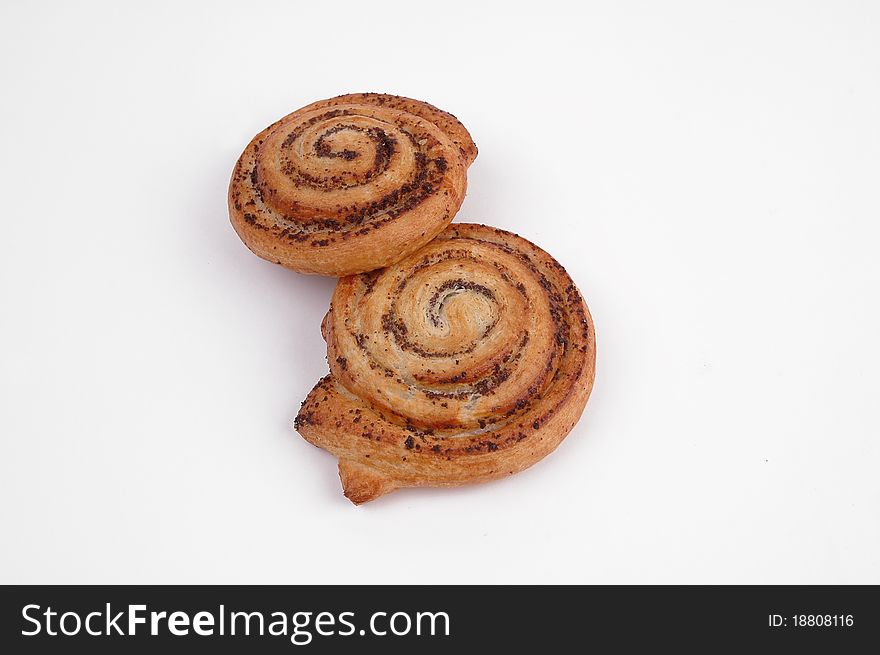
[469, 360]
[382, 143]
[377, 168]
[467, 334]
[350, 184]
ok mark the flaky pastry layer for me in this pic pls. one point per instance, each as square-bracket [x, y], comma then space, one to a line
[470, 359]
[350, 184]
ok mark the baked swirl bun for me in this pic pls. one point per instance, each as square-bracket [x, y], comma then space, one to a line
[469, 360]
[350, 184]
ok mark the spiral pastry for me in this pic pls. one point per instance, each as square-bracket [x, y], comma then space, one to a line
[469, 360]
[350, 184]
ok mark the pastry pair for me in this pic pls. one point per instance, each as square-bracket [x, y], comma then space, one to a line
[458, 353]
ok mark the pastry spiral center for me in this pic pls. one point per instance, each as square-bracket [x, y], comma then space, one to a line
[347, 166]
[444, 320]
[455, 288]
[458, 336]
[336, 157]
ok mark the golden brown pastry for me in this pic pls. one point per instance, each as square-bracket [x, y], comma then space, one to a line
[469, 360]
[350, 184]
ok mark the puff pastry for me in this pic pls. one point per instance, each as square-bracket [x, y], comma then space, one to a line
[471, 359]
[350, 184]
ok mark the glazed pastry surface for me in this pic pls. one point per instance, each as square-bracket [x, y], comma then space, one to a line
[350, 184]
[470, 359]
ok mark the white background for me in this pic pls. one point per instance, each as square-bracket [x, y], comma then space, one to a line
[707, 172]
